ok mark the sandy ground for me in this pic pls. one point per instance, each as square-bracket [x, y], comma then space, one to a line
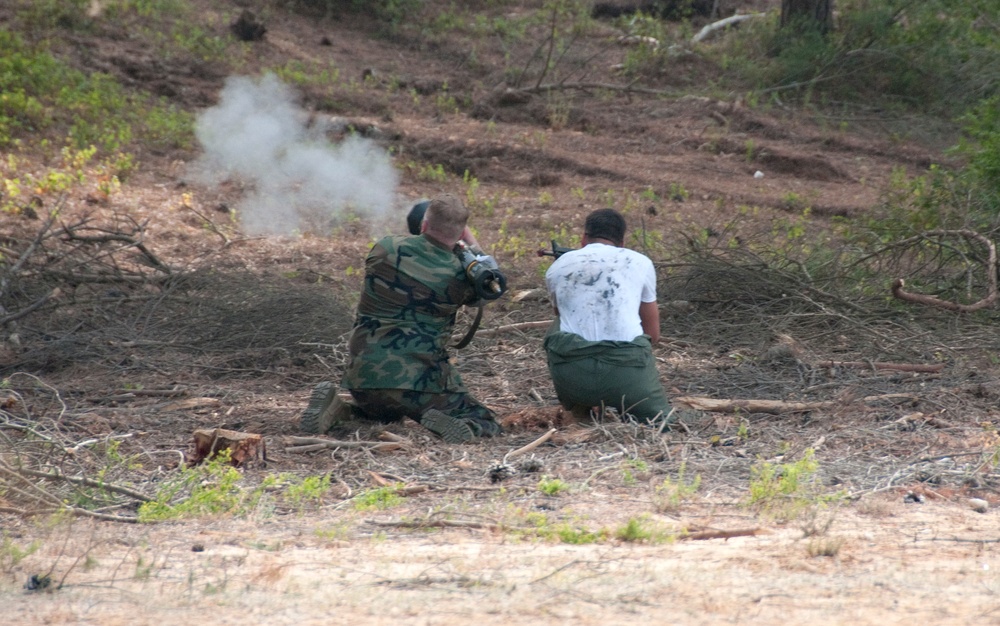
[897, 563]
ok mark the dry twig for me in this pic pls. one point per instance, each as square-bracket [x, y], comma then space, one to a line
[312, 444]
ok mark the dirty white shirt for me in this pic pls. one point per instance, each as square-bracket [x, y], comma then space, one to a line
[597, 290]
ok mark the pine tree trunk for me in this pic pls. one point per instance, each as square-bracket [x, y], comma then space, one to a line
[815, 13]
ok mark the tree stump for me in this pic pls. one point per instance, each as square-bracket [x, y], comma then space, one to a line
[245, 449]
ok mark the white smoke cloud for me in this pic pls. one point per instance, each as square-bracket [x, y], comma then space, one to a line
[259, 135]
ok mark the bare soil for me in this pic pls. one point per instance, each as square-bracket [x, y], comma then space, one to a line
[258, 320]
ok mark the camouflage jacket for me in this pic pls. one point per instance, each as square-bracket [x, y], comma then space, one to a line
[413, 289]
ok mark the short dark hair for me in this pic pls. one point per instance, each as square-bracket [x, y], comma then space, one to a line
[606, 224]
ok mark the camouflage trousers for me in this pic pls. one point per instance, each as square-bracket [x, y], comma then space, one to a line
[392, 405]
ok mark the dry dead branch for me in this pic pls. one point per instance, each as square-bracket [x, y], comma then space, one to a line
[528, 448]
[31, 308]
[989, 266]
[191, 403]
[583, 86]
[71, 234]
[716, 405]
[914, 418]
[509, 328]
[702, 535]
[874, 365]
[211, 224]
[55, 474]
[312, 444]
[732, 20]
[444, 523]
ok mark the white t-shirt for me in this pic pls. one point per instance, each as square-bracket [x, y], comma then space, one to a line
[598, 289]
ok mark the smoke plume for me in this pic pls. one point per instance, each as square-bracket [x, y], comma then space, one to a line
[294, 175]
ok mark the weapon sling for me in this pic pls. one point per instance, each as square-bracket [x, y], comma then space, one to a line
[467, 339]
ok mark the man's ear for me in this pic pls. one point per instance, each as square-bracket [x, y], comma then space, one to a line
[423, 226]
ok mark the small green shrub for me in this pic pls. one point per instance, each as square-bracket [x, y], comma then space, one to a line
[52, 14]
[641, 530]
[210, 489]
[980, 144]
[785, 491]
[568, 532]
[378, 499]
[432, 173]
[311, 489]
[678, 193]
[552, 486]
[671, 493]
[12, 553]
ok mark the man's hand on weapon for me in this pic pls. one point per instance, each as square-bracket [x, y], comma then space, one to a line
[556, 251]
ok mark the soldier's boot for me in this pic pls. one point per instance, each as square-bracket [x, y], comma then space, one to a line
[450, 429]
[325, 409]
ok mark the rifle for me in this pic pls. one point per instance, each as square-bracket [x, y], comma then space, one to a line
[556, 251]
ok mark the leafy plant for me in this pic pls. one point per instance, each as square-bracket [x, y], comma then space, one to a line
[562, 23]
[12, 553]
[671, 493]
[311, 489]
[38, 92]
[899, 53]
[786, 490]
[980, 144]
[210, 489]
[552, 486]
[641, 530]
[432, 173]
[632, 467]
[649, 52]
[378, 499]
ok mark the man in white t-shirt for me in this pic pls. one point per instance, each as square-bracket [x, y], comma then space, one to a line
[600, 347]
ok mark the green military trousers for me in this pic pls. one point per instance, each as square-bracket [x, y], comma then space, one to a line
[619, 374]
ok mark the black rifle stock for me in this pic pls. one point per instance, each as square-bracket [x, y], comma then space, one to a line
[556, 251]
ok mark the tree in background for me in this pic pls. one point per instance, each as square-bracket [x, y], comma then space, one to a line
[816, 14]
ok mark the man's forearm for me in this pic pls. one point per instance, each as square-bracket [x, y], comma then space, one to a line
[649, 316]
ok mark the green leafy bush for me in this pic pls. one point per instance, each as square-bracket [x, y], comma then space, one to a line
[981, 146]
[39, 92]
[206, 490]
[934, 56]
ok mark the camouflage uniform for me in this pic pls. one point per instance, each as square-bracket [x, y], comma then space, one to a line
[399, 363]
